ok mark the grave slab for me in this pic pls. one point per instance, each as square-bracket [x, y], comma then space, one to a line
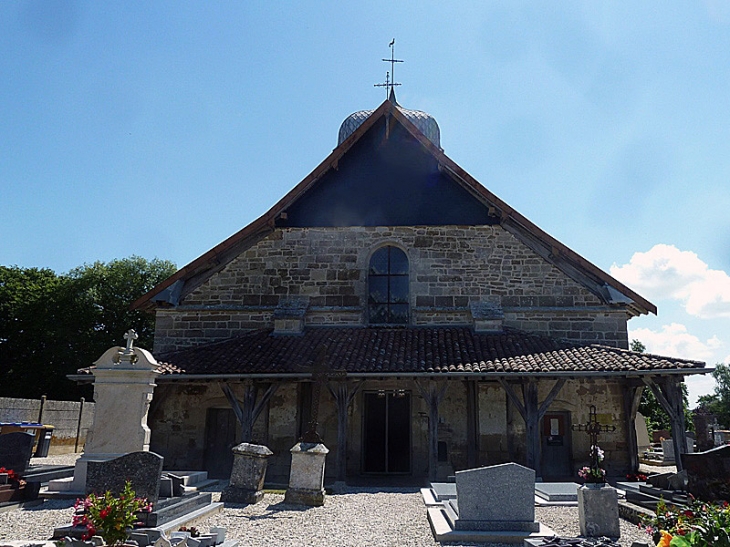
[444, 490]
[557, 491]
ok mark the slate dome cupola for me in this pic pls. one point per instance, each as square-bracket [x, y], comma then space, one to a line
[423, 121]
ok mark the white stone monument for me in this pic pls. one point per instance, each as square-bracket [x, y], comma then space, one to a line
[306, 478]
[124, 380]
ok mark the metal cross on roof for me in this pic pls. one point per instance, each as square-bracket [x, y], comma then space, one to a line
[390, 82]
[321, 374]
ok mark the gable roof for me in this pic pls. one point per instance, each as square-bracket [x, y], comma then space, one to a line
[571, 263]
[441, 351]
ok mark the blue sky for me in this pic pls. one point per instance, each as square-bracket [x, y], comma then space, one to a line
[159, 129]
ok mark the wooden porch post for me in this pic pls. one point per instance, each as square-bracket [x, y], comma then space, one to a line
[668, 391]
[433, 393]
[343, 394]
[248, 412]
[532, 414]
[632, 398]
[472, 423]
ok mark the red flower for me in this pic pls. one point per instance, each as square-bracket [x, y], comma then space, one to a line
[104, 513]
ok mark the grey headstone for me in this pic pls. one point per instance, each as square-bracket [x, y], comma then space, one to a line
[15, 450]
[220, 532]
[501, 494]
[678, 481]
[708, 473]
[177, 485]
[165, 487]
[142, 469]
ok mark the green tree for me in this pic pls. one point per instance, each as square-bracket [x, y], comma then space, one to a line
[656, 418]
[51, 325]
[719, 402]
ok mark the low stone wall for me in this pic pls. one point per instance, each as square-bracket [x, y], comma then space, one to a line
[62, 415]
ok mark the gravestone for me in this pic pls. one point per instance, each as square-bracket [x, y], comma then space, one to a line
[642, 433]
[496, 498]
[598, 511]
[708, 473]
[306, 476]
[247, 477]
[142, 469]
[15, 450]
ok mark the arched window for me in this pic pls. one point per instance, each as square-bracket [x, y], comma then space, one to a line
[388, 286]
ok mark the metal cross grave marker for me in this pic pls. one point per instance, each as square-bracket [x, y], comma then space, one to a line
[594, 428]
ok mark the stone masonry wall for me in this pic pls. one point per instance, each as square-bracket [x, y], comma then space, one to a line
[449, 268]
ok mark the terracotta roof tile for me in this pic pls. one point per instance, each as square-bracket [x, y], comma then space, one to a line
[444, 350]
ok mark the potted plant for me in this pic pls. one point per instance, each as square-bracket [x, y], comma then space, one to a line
[594, 475]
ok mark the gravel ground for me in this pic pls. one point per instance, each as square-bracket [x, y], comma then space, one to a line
[364, 517]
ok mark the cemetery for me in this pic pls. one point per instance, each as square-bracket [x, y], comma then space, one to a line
[493, 505]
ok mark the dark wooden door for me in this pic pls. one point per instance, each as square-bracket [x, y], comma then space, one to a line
[220, 436]
[556, 446]
[387, 432]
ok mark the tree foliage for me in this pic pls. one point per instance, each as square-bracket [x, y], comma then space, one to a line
[51, 325]
[718, 403]
[656, 417]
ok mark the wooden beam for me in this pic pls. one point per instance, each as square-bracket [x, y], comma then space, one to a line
[343, 394]
[248, 412]
[472, 423]
[432, 393]
[632, 399]
[668, 391]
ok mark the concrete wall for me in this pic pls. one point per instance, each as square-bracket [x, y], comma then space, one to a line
[63, 415]
[450, 267]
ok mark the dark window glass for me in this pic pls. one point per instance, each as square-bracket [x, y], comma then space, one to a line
[388, 286]
[379, 262]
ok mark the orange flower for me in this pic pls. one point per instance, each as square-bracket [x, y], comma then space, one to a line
[666, 538]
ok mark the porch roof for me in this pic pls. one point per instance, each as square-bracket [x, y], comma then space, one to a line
[442, 351]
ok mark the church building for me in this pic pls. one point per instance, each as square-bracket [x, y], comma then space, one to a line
[438, 328]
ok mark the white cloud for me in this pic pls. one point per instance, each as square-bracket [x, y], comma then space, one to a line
[674, 340]
[666, 272]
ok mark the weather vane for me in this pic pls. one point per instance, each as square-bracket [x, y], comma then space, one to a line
[390, 82]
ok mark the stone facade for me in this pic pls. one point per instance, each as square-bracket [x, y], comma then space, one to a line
[179, 426]
[451, 267]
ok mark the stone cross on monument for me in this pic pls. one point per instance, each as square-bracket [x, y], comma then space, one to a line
[130, 336]
[321, 374]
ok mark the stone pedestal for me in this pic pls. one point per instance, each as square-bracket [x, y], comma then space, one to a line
[247, 477]
[598, 511]
[124, 381]
[306, 479]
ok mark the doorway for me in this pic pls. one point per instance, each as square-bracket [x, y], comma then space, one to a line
[556, 446]
[387, 432]
[220, 436]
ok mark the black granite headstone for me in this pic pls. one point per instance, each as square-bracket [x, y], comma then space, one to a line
[15, 450]
[708, 473]
[142, 469]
